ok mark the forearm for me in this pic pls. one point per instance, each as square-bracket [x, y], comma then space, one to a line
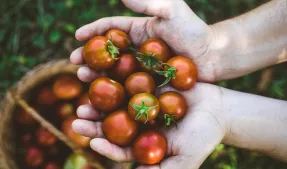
[256, 123]
[252, 41]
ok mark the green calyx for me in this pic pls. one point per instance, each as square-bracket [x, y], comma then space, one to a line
[142, 110]
[113, 49]
[168, 120]
[149, 60]
[169, 74]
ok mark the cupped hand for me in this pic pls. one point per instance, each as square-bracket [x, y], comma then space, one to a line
[189, 144]
[172, 21]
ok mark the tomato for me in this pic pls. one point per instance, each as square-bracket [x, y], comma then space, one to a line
[119, 38]
[186, 72]
[172, 105]
[44, 137]
[106, 95]
[78, 139]
[23, 118]
[150, 147]
[52, 165]
[64, 110]
[143, 107]
[83, 99]
[67, 87]
[26, 139]
[34, 157]
[125, 66]
[99, 54]
[119, 128]
[156, 50]
[139, 82]
[45, 96]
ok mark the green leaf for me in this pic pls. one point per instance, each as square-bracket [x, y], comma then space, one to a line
[39, 41]
[2, 34]
[55, 36]
[45, 21]
[69, 28]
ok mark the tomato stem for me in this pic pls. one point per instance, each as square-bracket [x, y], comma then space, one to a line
[142, 110]
[149, 60]
[170, 73]
[169, 119]
[113, 49]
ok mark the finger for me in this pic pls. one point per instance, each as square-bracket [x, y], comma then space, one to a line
[76, 56]
[159, 8]
[86, 74]
[149, 167]
[88, 128]
[87, 112]
[111, 151]
[101, 26]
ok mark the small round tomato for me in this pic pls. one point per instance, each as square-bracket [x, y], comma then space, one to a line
[45, 96]
[34, 157]
[153, 53]
[150, 147]
[119, 128]
[119, 38]
[125, 66]
[139, 82]
[52, 165]
[186, 72]
[99, 53]
[106, 94]
[45, 137]
[23, 118]
[83, 99]
[143, 107]
[67, 87]
[172, 105]
[64, 110]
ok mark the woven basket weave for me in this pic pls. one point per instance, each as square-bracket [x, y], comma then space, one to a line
[17, 96]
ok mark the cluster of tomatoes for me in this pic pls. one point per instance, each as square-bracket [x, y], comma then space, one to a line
[127, 95]
[56, 101]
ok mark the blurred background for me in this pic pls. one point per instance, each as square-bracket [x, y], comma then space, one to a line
[36, 31]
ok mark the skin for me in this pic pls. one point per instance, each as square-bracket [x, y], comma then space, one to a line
[186, 73]
[119, 128]
[225, 50]
[96, 54]
[126, 65]
[150, 147]
[119, 38]
[67, 87]
[149, 101]
[106, 95]
[173, 104]
[139, 82]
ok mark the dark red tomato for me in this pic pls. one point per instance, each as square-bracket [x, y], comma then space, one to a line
[67, 87]
[106, 95]
[119, 38]
[45, 96]
[139, 82]
[34, 157]
[26, 139]
[44, 137]
[119, 128]
[157, 48]
[173, 104]
[186, 72]
[143, 107]
[150, 147]
[23, 118]
[96, 54]
[126, 65]
[78, 139]
[83, 99]
[52, 165]
[151, 125]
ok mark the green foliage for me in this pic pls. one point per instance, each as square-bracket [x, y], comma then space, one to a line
[32, 32]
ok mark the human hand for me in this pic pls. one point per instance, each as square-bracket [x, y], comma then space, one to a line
[189, 144]
[173, 21]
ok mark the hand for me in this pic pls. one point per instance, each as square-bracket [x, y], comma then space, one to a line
[189, 144]
[173, 21]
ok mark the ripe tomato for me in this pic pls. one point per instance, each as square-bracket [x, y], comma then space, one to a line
[119, 128]
[99, 54]
[172, 105]
[106, 95]
[186, 72]
[125, 66]
[23, 118]
[67, 87]
[139, 82]
[78, 139]
[44, 137]
[150, 147]
[45, 96]
[156, 50]
[34, 157]
[83, 99]
[52, 165]
[143, 107]
[119, 38]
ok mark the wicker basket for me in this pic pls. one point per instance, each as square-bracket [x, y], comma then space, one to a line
[17, 95]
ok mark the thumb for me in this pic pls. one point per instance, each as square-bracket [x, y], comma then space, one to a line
[159, 8]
